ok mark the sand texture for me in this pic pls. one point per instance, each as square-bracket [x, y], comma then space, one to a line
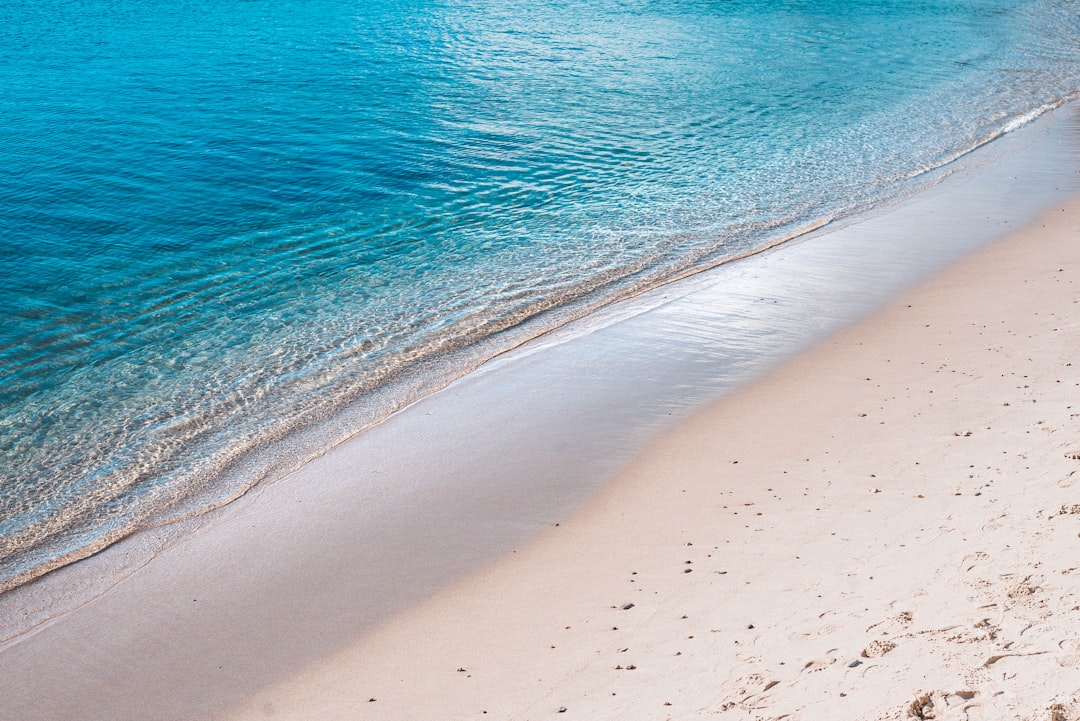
[887, 527]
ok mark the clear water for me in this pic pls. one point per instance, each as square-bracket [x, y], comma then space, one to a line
[226, 223]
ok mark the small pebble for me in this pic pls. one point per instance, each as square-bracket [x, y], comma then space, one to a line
[627, 606]
[853, 663]
[562, 709]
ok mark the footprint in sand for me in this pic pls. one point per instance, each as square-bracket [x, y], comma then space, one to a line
[877, 649]
[899, 622]
[820, 664]
[1025, 593]
[923, 707]
[1070, 653]
[744, 692]
[1063, 712]
[977, 634]
[942, 705]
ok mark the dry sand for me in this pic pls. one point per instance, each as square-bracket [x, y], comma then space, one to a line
[887, 527]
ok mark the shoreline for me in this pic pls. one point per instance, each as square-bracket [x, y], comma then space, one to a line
[503, 457]
[289, 449]
[895, 537]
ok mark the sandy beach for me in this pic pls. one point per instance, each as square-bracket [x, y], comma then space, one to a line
[437, 361]
[886, 527]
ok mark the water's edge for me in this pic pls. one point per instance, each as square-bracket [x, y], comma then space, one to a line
[291, 448]
[828, 268]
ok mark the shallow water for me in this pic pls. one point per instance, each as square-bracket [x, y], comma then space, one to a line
[227, 222]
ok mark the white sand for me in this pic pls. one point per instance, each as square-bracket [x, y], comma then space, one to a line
[887, 527]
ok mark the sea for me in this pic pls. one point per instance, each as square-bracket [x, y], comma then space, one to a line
[235, 233]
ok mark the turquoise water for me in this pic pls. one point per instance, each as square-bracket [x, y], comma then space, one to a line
[227, 224]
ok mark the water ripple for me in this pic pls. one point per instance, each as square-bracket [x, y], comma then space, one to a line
[227, 222]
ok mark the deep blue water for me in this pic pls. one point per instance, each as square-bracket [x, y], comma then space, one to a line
[224, 222]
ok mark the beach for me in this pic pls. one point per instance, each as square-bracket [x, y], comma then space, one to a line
[441, 360]
[885, 527]
[887, 518]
